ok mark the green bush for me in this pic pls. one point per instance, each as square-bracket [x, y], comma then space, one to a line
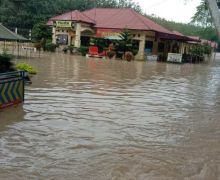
[200, 50]
[26, 67]
[65, 49]
[50, 47]
[83, 50]
[71, 48]
[5, 63]
[207, 49]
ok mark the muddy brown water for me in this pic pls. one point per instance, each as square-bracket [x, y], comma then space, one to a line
[100, 119]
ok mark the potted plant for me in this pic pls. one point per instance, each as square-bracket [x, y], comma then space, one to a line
[128, 56]
[110, 54]
[124, 46]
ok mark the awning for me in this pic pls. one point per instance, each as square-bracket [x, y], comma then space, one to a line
[177, 37]
[113, 37]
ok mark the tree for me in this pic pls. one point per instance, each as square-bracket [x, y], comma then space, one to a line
[125, 44]
[41, 32]
[202, 17]
[26, 13]
[214, 11]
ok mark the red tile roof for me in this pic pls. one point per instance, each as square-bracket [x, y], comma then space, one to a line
[71, 16]
[120, 18]
[178, 33]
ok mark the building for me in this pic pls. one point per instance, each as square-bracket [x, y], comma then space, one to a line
[76, 28]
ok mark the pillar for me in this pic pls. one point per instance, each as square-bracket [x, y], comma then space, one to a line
[69, 39]
[182, 48]
[77, 42]
[140, 54]
[155, 47]
[54, 35]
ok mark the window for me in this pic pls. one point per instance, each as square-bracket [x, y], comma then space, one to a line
[148, 47]
[62, 39]
[161, 47]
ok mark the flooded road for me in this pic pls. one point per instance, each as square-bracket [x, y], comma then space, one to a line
[101, 120]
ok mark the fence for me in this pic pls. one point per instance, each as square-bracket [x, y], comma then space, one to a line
[11, 88]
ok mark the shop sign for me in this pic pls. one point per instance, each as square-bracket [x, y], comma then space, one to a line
[174, 57]
[63, 24]
[107, 32]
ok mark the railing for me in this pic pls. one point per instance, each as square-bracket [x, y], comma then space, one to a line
[11, 88]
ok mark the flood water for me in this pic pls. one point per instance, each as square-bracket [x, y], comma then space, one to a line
[101, 120]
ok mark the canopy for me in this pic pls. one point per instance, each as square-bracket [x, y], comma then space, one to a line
[113, 37]
[7, 35]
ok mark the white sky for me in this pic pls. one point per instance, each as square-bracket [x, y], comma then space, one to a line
[176, 10]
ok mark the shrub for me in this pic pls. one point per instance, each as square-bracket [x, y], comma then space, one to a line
[65, 49]
[5, 63]
[26, 67]
[110, 54]
[83, 50]
[200, 50]
[71, 48]
[129, 56]
[50, 47]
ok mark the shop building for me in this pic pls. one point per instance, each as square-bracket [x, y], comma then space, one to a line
[76, 28]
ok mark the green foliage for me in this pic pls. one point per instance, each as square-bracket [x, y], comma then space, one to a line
[83, 50]
[5, 63]
[65, 49]
[41, 31]
[100, 43]
[26, 13]
[126, 43]
[208, 33]
[71, 48]
[49, 46]
[26, 67]
[202, 17]
[200, 50]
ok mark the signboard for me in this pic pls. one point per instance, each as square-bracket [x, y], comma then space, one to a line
[63, 24]
[107, 32]
[174, 57]
[152, 57]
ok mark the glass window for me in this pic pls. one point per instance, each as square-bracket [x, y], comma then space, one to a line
[161, 47]
[62, 39]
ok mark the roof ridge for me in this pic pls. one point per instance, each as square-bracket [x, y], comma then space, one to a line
[93, 20]
[116, 14]
[137, 15]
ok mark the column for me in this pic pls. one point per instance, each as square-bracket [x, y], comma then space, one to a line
[182, 48]
[69, 39]
[54, 35]
[140, 54]
[77, 42]
[155, 47]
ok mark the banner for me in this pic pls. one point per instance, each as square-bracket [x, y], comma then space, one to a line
[64, 24]
[107, 32]
[174, 57]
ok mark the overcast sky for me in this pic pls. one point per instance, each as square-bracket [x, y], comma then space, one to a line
[176, 10]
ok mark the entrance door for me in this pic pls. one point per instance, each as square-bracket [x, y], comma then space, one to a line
[148, 47]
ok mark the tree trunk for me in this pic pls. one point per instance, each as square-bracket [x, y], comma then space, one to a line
[213, 8]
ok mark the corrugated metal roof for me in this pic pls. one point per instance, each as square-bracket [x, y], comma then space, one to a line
[71, 16]
[6, 34]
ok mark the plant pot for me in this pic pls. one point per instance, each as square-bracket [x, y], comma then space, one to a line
[128, 56]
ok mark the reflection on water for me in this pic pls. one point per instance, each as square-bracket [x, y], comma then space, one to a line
[96, 119]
